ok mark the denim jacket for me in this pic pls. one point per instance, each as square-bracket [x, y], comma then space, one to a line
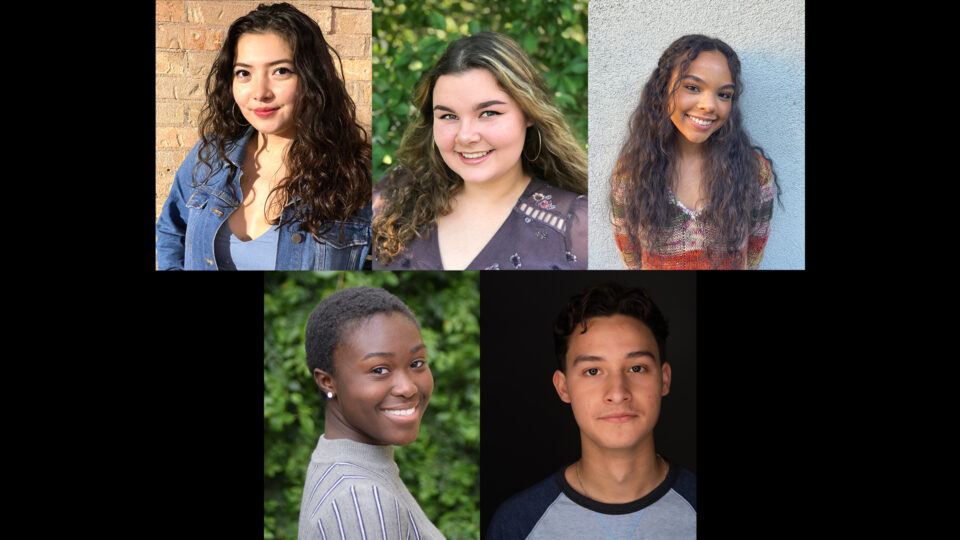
[194, 213]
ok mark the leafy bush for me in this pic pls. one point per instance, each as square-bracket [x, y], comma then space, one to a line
[408, 41]
[441, 468]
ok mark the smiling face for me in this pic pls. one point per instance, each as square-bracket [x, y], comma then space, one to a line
[265, 83]
[702, 102]
[614, 382]
[479, 128]
[381, 383]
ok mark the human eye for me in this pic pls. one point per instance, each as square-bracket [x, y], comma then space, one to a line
[691, 87]
[418, 363]
[638, 369]
[726, 94]
[283, 71]
[489, 114]
[240, 73]
[379, 370]
[592, 372]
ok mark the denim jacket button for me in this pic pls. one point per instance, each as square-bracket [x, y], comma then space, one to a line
[297, 238]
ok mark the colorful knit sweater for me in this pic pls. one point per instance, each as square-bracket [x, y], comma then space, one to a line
[685, 244]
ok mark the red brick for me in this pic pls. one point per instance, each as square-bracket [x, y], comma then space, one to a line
[199, 62]
[170, 62]
[193, 113]
[357, 70]
[217, 13]
[169, 113]
[170, 11]
[189, 88]
[173, 137]
[166, 87]
[168, 161]
[323, 16]
[169, 37]
[350, 45]
[365, 115]
[202, 38]
[352, 21]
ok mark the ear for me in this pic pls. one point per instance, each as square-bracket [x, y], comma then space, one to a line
[325, 381]
[529, 123]
[666, 375]
[560, 383]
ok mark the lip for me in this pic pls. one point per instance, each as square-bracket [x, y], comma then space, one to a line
[474, 161]
[410, 418]
[264, 112]
[698, 126]
[619, 418]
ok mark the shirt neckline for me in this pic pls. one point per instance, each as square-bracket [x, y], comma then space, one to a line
[612, 508]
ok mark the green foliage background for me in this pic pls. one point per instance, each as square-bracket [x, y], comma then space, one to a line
[409, 37]
[441, 468]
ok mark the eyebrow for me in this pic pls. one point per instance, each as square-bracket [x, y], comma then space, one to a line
[701, 81]
[390, 355]
[275, 62]
[593, 358]
[479, 106]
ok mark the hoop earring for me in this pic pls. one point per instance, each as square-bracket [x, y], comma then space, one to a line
[235, 115]
[539, 145]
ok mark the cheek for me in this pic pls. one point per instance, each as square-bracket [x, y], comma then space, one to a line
[444, 135]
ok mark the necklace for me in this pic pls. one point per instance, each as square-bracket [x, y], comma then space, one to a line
[580, 479]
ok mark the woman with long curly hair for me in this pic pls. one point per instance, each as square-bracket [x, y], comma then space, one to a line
[280, 178]
[489, 175]
[690, 190]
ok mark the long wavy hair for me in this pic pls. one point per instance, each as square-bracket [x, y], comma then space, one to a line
[646, 164]
[423, 186]
[328, 161]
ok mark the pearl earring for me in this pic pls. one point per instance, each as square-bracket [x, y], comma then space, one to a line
[330, 395]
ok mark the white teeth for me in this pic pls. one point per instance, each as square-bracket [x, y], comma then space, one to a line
[699, 122]
[406, 412]
[472, 156]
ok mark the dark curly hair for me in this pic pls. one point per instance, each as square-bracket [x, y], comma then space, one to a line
[341, 312]
[732, 166]
[328, 161]
[423, 188]
[603, 300]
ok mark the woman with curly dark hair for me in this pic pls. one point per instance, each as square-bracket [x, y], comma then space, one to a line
[690, 190]
[490, 176]
[280, 178]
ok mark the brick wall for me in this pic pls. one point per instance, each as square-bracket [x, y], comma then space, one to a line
[189, 35]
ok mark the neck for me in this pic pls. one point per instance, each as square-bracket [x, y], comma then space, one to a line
[507, 188]
[619, 476]
[271, 146]
[687, 150]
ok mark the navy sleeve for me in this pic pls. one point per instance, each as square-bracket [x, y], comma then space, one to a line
[517, 516]
[686, 486]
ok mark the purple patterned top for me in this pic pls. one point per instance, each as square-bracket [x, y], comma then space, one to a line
[547, 230]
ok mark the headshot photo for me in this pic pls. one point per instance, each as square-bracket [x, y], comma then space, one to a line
[589, 410]
[263, 136]
[697, 136]
[482, 155]
[371, 405]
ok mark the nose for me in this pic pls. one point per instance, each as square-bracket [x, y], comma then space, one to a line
[617, 390]
[261, 89]
[708, 102]
[467, 133]
[403, 384]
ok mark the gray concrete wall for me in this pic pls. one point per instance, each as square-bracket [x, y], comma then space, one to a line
[627, 37]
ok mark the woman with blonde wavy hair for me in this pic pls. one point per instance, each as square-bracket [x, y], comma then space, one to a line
[489, 176]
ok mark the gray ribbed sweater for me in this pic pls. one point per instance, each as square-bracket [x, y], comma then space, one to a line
[353, 490]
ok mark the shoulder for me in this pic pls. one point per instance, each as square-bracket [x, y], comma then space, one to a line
[518, 515]
[686, 486]
[766, 170]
